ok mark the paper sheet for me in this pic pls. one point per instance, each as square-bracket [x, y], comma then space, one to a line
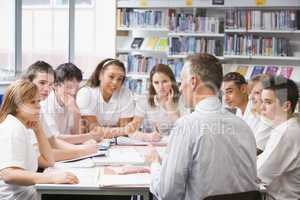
[120, 156]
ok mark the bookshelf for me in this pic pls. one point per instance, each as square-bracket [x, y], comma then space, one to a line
[270, 32]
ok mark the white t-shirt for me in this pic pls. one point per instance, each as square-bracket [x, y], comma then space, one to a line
[91, 103]
[262, 133]
[279, 165]
[249, 117]
[56, 119]
[155, 116]
[16, 151]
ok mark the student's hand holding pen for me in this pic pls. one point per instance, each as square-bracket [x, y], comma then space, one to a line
[152, 137]
[152, 156]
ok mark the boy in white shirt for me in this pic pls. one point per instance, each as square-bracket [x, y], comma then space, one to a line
[60, 111]
[279, 165]
[235, 95]
[42, 75]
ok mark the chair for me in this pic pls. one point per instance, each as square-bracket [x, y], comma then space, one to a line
[251, 195]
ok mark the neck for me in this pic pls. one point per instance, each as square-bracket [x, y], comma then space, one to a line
[279, 119]
[202, 94]
[106, 96]
[243, 105]
[22, 119]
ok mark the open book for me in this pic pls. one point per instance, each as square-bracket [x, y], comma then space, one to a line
[98, 154]
[120, 156]
[127, 141]
[110, 177]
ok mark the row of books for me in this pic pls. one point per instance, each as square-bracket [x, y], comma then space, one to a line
[190, 45]
[256, 45]
[138, 64]
[142, 64]
[262, 19]
[248, 71]
[150, 43]
[137, 86]
[128, 17]
[188, 22]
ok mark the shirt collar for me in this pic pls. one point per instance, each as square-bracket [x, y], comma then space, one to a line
[283, 126]
[113, 99]
[209, 104]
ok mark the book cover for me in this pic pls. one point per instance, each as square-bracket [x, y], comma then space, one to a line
[137, 42]
[257, 70]
[286, 71]
[242, 70]
[272, 70]
[151, 42]
[162, 44]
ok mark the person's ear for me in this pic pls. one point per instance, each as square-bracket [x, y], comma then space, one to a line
[287, 106]
[244, 88]
[194, 82]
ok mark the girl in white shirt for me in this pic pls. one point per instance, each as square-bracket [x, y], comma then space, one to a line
[159, 109]
[18, 158]
[104, 102]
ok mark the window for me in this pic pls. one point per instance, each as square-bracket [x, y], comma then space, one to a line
[91, 38]
[7, 69]
[36, 3]
[44, 35]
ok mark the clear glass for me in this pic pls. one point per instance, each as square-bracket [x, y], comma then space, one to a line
[44, 35]
[7, 49]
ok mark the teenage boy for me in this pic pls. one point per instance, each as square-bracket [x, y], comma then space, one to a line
[279, 165]
[42, 75]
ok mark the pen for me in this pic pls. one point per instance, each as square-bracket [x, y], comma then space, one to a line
[116, 141]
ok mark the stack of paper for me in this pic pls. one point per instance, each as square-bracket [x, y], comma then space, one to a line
[127, 141]
[120, 156]
[108, 179]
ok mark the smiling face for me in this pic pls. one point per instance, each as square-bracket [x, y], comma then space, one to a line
[162, 84]
[255, 95]
[111, 79]
[44, 82]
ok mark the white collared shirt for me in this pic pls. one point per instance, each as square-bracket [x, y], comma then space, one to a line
[210, 151]
[91, 103]
[249, 117]
[262, 132]
[16, 151]
[154, 116]
[56, 119]
[279, 165]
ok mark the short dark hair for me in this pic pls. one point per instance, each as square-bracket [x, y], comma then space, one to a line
[38, 66]
[208, 68]
[94, 81]
[285, 90]
[67, 72]
[236, 77]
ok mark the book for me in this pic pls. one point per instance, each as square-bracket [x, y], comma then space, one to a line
[272, 70]
[120, 156]
[286, 71]
[162, 45]
[127, 141]
[151, 43]
[137, 42]
[242, 70]
[257, 70]
[98, 154]
[109, 177]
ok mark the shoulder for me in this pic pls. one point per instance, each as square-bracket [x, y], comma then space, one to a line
[11, 126]
[84, 91]
[124, 92]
